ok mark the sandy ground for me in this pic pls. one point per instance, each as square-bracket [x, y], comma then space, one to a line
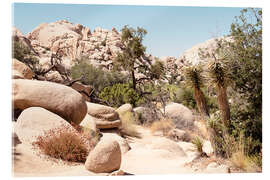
[141, 159]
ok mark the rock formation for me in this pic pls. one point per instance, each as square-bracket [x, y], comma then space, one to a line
[57, 98]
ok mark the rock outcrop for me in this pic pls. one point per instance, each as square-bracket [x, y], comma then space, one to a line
[192, 55]
[75, 40]
[105, 157]
[57, 98]
[105, 117]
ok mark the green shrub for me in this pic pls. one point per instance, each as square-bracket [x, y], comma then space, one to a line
[185, 97]
[198, 143]
[95, 77]
[24, 54]
[119, 94]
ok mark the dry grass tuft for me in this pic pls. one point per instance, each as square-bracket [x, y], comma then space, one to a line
[62, 143]
[164, 125]
[128, 124]
[240, 159]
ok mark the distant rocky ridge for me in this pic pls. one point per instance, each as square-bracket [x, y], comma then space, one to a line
[100, 46]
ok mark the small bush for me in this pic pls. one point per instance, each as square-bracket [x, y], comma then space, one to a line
[119, 94]
[128, 124]
[164, 125]
[198, 143]
[95, 77]
[61, 143]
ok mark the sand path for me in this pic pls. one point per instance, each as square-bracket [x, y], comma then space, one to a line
[143, 158]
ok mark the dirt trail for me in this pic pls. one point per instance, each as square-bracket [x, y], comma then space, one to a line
[147, 156]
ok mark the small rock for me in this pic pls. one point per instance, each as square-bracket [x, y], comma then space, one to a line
[207, 148]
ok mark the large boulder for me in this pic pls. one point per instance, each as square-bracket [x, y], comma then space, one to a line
[105, 117]
[59, 99]
[146, 115]
[34, 121]
[105, 157]
[180, 114]
[22, 69]
[124, 146]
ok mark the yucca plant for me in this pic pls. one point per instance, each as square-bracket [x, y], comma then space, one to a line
[219, 77]
[195, 80]
[198, 143]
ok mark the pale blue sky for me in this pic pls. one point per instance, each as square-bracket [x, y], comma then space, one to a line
[171, 29]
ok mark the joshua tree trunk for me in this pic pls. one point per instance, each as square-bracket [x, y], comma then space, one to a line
[223, 105]
[201, 102]
[133, 80]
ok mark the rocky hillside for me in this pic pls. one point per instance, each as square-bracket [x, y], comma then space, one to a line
[73, 41]
[100, 46]
[192, 55]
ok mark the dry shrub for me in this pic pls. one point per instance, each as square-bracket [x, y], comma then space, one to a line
[63, 143]
[128, 124]
[240, 158]
[164, 125]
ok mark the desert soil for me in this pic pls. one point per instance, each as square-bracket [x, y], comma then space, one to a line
[141, 159]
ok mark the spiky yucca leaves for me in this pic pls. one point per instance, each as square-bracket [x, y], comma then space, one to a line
[195, 80]
[220, 78]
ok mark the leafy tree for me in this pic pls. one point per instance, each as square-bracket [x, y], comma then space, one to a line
[195, 80]
[132, 51]
[95, 77]
[133, 60]
[244, 53]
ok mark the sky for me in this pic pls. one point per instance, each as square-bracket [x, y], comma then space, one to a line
[170, 29]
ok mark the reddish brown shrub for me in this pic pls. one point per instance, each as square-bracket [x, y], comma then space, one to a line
[63, 143]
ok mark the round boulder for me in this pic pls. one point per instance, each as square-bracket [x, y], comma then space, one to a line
[124, 146]
[34, 121]
[105, 157]
[124, 108]
[89, 123]
[57, 98]
[22, 69]
[168, 145]
[180, 114]
[105, 117]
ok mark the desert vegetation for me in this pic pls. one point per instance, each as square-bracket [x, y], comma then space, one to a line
[132, 92]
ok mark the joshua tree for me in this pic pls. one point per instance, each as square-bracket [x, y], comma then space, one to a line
[195, 79]
[219, 78]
